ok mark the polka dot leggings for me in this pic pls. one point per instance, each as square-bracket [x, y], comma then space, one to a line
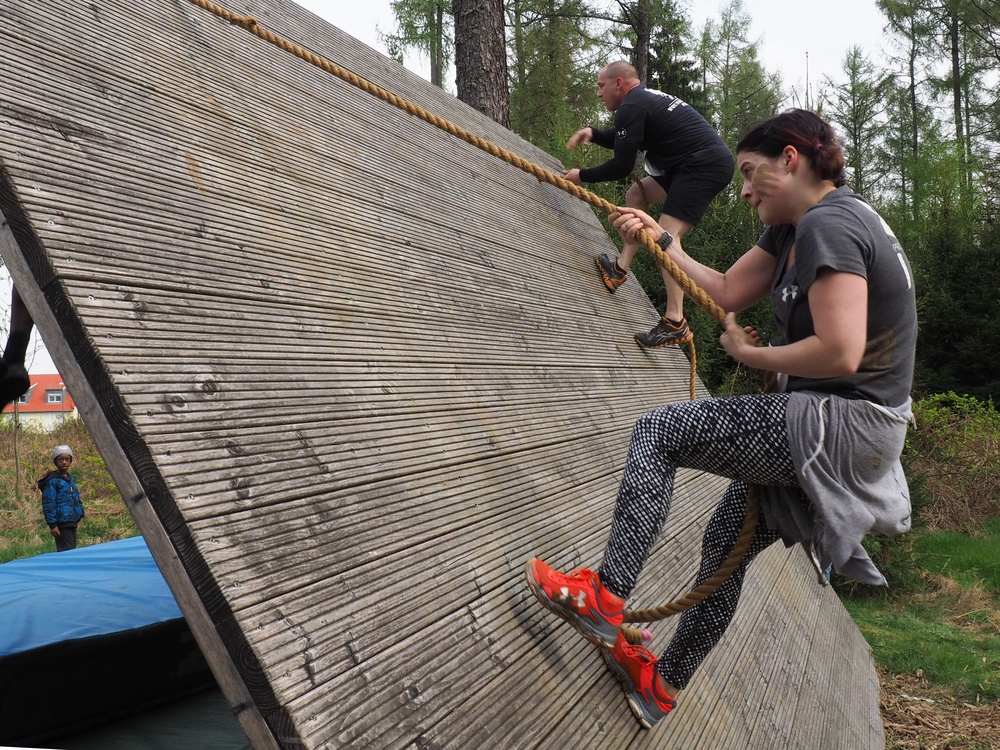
[740, 437]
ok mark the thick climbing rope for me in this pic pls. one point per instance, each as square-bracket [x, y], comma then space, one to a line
[250, 24]
[693, 368]
[542, 175]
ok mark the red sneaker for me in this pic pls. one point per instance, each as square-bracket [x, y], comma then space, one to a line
[579, 598]
[635, 668]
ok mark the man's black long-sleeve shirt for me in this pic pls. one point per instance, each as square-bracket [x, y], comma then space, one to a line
[670, 131]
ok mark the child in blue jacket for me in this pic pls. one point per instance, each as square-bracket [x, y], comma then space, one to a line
[61, 499]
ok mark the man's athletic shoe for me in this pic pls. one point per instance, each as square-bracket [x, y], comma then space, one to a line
[665, 333]
[579, 598]
[635, 668]
[612, 275]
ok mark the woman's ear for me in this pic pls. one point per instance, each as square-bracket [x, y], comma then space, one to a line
[791, 158]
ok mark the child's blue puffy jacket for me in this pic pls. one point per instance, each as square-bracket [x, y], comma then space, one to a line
[60, 499]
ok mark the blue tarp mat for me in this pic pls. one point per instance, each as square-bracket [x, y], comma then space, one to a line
[96, 632]
[96, 590]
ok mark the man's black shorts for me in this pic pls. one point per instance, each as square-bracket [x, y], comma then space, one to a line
[694, 186]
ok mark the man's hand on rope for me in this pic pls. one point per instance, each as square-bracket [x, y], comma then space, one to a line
[628, 222]
[573, 175]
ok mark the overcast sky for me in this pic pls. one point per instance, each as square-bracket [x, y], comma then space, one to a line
[38, 359]
[792, 34]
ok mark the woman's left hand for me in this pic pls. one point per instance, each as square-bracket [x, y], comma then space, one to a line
[737, 340]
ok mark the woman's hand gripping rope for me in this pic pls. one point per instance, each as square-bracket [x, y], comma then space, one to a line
[638, 226]
[737, 339]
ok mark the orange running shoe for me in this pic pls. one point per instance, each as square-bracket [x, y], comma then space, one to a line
[665, 333]
[579, 598]
[611, 274]
[635, 668]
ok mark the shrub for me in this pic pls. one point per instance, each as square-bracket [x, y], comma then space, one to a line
[25, 456]
[954, 455]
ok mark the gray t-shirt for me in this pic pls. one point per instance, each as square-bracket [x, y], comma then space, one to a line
[845, 434]
[843, 233]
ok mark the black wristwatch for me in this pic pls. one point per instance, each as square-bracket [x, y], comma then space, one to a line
[665, 241]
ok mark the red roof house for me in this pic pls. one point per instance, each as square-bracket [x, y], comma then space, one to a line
[46, 404]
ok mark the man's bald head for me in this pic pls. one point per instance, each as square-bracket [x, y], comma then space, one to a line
[615, 81]
[621, 69]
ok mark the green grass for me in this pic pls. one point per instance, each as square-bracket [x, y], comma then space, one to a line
[944, 621]
[20, 543]
[25, 455]
[96, 528]
[969, 560]
[910, 639]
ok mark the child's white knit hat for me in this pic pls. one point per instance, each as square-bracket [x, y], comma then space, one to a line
[60, 450]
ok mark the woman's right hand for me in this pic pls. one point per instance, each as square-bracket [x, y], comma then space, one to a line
[738, 340]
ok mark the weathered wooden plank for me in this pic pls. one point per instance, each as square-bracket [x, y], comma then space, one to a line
[360, 300]
[520, 527]
[418, 159]
[352, 373]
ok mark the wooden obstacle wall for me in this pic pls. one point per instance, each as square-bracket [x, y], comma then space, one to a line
[349, 374]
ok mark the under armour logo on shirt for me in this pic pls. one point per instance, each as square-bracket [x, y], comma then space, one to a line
[789, 291]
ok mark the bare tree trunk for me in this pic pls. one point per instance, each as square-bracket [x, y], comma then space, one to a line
[915, 183]
[437, 47]
[643, 25]
[519, 57]
[956, 80]
[481, 57]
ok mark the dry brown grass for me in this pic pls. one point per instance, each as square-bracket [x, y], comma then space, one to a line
[918, 717]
